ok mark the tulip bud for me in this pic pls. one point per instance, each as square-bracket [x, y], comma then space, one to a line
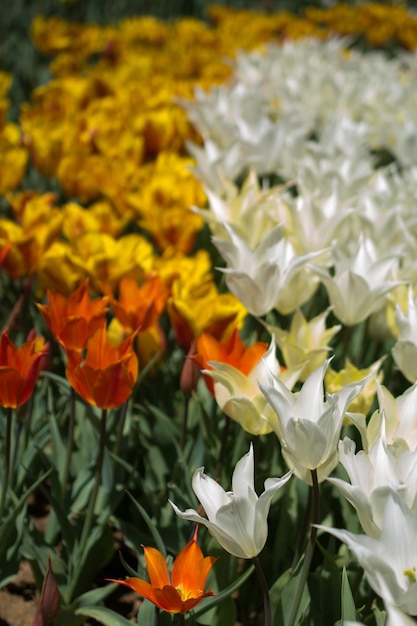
[50, 601]
[190, 373]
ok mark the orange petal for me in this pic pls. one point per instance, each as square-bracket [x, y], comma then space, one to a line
[169, 599]
[191, 568]
[157, 568]
[189, 604]
[143, 588]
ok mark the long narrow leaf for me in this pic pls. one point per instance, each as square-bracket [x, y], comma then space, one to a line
[104, 616]
[347, 601]
[208, 604]
[154, 532]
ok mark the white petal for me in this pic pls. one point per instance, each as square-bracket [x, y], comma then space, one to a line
[211, 495]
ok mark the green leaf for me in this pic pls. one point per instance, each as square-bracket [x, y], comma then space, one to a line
[103, 615]
[347, 601]
[380, 616]
[209, 603]
[94, 596]
[59, 520]
[60, 380]
[97, 553]
[8, 524]
[58, 446]
[282, 593]
[150, 524]
[147, 613]
[127, 567]
[220, 615]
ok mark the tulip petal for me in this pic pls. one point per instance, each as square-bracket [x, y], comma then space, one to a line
[142, 588]
[191, 568]
[157, 568]
[243, 478]
[211, 495]
[169, 599]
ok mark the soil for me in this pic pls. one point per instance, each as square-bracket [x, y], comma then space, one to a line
[18, 602]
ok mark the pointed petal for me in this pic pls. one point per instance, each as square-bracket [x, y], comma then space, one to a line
[191, 568]
[169, 599]
[211, 495]
[157, 568]
[272, 485]
[243, 478]
[142, 588]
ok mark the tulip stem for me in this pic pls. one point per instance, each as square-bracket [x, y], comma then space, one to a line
[222, 453]
[70, 442]
[120, 428]
[265, 591]
[184, 421]
[309, 550]
[97, 481]
[300, 546]
[7, 459]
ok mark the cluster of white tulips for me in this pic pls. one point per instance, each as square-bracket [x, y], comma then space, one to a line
[309, 163]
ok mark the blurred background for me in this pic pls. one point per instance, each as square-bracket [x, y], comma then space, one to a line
[29, 68]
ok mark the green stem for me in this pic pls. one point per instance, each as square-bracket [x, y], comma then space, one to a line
[309, 551]
[7, 459]
[303, 532]
[223, 446]
[27, 424]
[347, 338]
[120, 428]
[70, 442]
[184, 421]
[88, 523]
[265, 591]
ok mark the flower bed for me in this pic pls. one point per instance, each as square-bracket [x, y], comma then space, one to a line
[208, 257]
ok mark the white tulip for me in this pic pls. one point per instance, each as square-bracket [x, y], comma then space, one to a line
[307, 425]
[373, 476]
[389, 562]
[237, 518]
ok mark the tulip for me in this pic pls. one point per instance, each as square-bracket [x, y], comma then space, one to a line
[335, 381]
[231, 351]
[234, 373]
[373, 476]
[19, 369]
[247, 209]
[390, 561]
[197, 308]
[179, 591]
[405, 350]
[238, 518]
[400, 419]
[306, 342]
[307, 425]
[359, 284]
[105, 377]
[50, 601]
[4, 251]
[270, 276]
[139, 306]
[74, 320]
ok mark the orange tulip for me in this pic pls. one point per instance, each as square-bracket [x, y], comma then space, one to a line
[139, 306]
[75, 319]
[19, 369]
[232, 351]
[184, 588]
[106, 374]
[4, 251]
